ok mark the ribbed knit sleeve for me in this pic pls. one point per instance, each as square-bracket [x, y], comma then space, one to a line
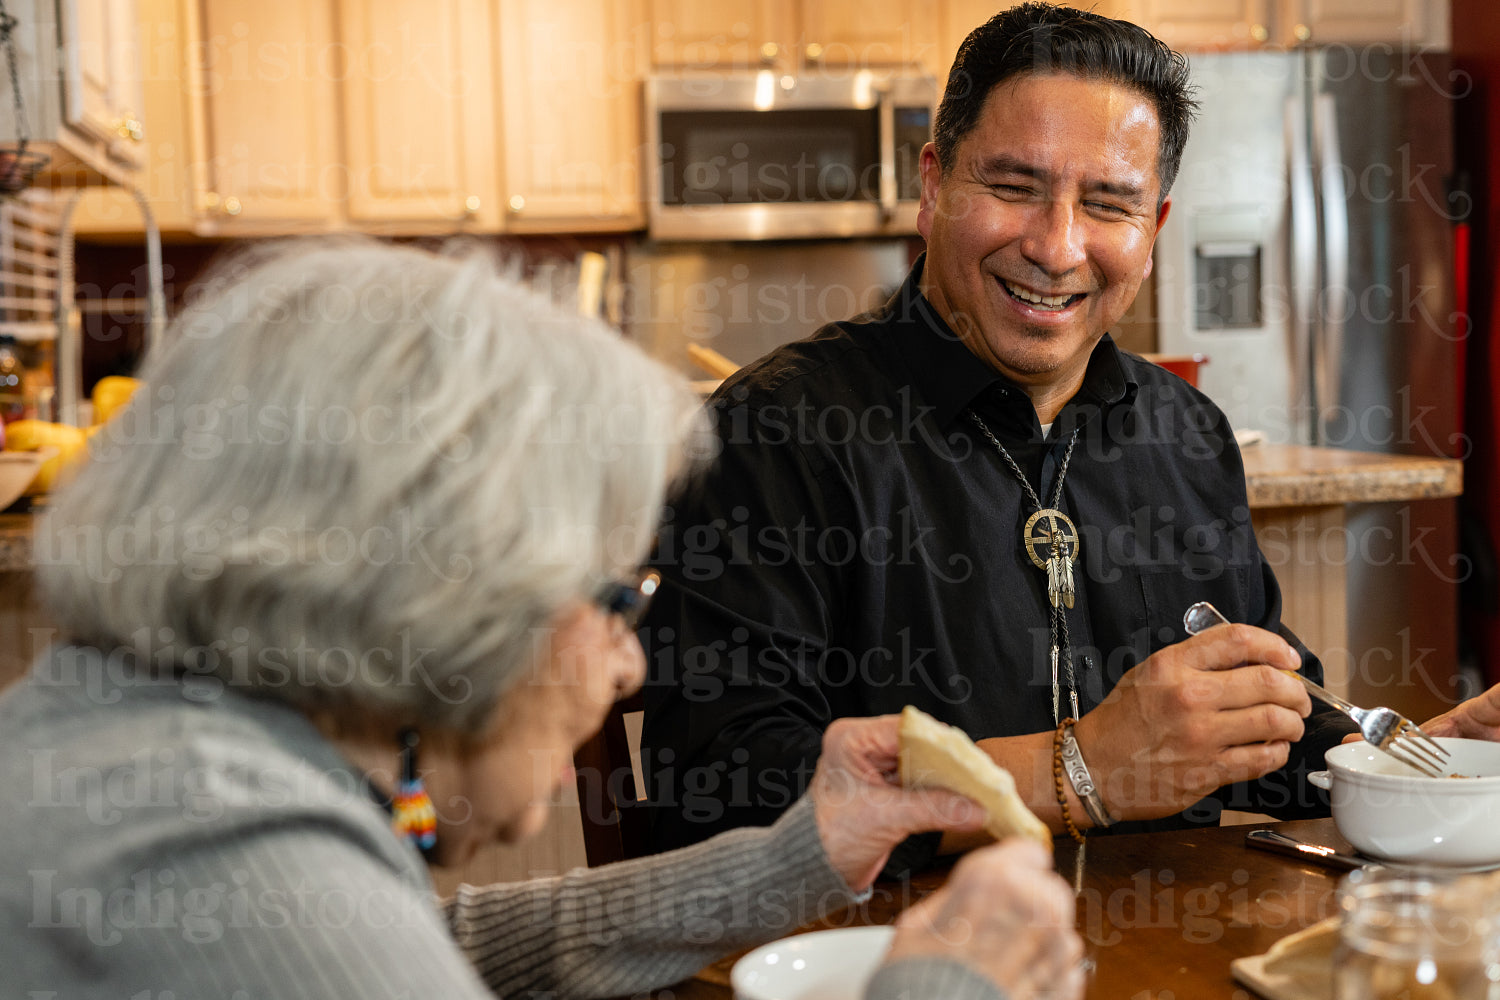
[930, 978]
[646, 923]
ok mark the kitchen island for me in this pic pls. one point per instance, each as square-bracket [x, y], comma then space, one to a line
[1289, 476]
[1300, 501]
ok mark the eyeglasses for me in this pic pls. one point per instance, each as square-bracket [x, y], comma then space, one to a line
[630, 598]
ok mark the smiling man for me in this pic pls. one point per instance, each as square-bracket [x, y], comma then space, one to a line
[973, 502]
[1039, 226]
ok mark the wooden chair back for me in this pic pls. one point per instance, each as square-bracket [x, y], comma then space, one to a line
[610, 791]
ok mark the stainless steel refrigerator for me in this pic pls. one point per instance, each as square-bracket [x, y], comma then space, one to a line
[1309, 255]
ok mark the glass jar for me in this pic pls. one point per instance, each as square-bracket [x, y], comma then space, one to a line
[1416, 934]
[13, 383]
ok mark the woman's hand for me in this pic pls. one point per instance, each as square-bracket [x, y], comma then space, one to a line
[1005, 914]
[861, 809]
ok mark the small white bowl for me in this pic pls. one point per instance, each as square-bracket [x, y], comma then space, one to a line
[823, 965]
[1390, 812]
[17, 470]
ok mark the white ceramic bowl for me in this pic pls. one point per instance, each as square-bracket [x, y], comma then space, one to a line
[17, 470]
[1389, 812]
[823, 965]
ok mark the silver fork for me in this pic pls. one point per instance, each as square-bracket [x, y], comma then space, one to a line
[1384, 728]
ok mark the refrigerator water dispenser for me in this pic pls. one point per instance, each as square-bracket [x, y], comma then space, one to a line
[1227, 285]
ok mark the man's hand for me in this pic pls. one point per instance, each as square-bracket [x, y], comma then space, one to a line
[1476, 719]
[862, 811]
[1215, 709]
[1006, 915]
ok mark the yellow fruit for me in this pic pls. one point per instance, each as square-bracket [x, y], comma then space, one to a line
[110, 393]
[30, 435]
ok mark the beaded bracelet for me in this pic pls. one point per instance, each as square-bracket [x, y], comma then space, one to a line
[1057, 777]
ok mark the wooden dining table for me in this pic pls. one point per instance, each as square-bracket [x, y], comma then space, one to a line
[1161, 914]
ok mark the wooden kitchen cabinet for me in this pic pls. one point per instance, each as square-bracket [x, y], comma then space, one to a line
[691, 34]
[419, 124]
[265, 125]
[836, 35]
[291, 117]
[571, 114]
[100, 37]
[389, 116]
[1219, 24]
[851, 34]
[1203, 24]
[240, 121]
[1354, 22]
[79, 88]
[166, 177]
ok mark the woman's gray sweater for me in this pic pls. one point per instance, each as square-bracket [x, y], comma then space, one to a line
[166, 840]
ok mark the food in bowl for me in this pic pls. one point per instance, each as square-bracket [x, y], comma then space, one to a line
[1388, 811]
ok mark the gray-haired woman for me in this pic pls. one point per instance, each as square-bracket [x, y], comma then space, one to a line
[375, 511]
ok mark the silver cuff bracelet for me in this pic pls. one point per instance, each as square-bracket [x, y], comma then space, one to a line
[1083, 784]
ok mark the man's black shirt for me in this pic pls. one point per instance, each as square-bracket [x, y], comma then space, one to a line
[857, 547]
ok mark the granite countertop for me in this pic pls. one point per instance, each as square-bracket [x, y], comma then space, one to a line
[15, 541]
[1288, 475]
[1278, 475]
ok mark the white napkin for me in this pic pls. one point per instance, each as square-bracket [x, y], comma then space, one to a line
[1298, 967]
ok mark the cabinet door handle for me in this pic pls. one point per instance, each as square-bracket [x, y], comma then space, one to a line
[769, 51]
[814, 51]
[129, 128]
[472, 205]
[212, 201]
[516, 203]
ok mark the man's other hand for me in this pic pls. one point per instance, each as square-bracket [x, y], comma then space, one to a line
[1475, 719]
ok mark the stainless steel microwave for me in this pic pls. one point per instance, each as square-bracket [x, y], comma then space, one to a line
[766, 155]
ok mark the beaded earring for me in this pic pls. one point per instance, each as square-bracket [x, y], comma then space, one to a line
[413, 817]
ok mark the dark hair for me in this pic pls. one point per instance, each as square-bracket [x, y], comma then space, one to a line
[1044, 38]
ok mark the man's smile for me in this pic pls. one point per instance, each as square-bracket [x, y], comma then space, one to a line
[1037, 300]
